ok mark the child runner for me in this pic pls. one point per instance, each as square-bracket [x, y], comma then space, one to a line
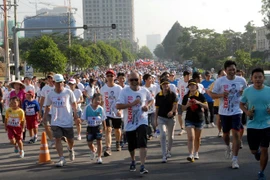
[95, 116]
[15, 124]
[31, 109]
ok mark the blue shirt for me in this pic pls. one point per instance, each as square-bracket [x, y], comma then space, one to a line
[30, 107]
[206, 84]
[175, 82]
[260, 99]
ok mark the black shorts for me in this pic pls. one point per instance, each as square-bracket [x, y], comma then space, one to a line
[231, 122]
[258, 138]
[93, 133]
[116, 123]
[179, 109]
[137, 138]
[216, 109]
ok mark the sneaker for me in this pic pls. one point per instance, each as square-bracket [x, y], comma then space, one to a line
[150, 137]
[79, 137]
[169, 154]
[35, 139]
[241, 145]
[190, 158]
[99, 160]
[164, 159]
[16, 149]
[196, 156]
[143, 171]
[61, 162]
[118, 147]
[261, 176]
[258, 155]
[64, 139]
[51, 143]
[93, 155]
[31, 141]
[22, 154]
[132, 167]
[220, 134]
[235, 164]
[107, 152]
[228, 152]
[213, 125]
[71, 154]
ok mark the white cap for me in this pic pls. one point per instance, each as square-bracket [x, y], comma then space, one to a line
[58, 78]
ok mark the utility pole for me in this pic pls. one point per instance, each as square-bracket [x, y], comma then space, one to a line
[69, 32]
[6, 43]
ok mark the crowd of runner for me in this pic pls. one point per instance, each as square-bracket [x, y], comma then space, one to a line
[137, 104]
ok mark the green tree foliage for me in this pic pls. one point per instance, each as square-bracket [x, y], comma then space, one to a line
[45, 56]
[160, 52]
[95, 53]
[78, 56]
[127, 56]
[249, 37]
[144, 53]
[170, 42]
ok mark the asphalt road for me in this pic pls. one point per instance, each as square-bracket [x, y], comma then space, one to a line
[211, 165]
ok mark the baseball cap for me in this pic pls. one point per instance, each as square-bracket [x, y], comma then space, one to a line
[164, 81]
[72, 81]
[192, 81]
[110, 72]
[58, 78]
[31, 93]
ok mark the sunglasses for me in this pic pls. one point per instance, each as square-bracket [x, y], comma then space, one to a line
[135, 79]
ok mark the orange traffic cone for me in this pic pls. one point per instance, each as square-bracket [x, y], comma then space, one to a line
[44, 154]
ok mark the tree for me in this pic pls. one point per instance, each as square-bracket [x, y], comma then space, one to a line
[170, 42]
[249, 37]
[78, 56]
[159, 52]
[144, 53]
[127, 56]
[45, 56]
[94, 52]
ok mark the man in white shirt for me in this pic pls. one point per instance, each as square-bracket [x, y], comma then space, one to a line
[135, 101]
[229, 90]
[110, 93]
[28, 85]
[62, 103]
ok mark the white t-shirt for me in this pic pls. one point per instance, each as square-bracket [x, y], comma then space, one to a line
[45, 90]
[6, 98]
[110, 96]
[181, 86]
[153, 91]
[30, 87]
[78, 94]
[134, 116]
[230, 105]
[91, 91]
[61, 109]
[80, 86]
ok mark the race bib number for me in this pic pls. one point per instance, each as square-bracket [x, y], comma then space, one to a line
[30, 111]
[14, 122]
[94, 121]
[59, 102]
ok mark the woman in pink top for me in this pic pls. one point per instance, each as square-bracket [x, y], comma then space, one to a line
[18, 91]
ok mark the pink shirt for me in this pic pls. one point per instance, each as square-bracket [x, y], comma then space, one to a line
[20, 95]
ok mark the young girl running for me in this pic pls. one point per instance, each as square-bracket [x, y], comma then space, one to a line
[15, 124]
[95, 116]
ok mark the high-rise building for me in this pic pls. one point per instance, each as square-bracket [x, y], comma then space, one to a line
[105, 13]
[262, 43]
[55, 18]
[152, 41]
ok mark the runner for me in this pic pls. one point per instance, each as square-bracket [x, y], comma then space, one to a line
[135, 101]
[15, 125]
[229, 89]
[195, 104]
[110, 93]
[257, 98]
[62, 102]
[182, 84]
[47, 121]
[95, 116]
[166, 106]
[31, 109]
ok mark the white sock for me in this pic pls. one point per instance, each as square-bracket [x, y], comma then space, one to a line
[234, 158]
